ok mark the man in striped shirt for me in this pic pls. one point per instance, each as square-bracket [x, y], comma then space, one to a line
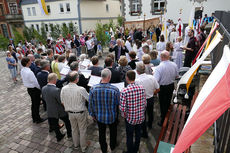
[103, 101]
[132, 106]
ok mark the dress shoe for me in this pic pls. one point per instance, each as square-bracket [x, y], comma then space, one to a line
[60, 137]
[51, 130]
[40, 120]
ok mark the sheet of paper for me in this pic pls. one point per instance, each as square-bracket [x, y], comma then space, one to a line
[153, 68]
[86, 73]
[120, 85]
[86, 63]
[171, 149]
[94, 80]
[65, 70]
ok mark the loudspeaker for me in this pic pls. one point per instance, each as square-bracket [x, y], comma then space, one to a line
[198, 14]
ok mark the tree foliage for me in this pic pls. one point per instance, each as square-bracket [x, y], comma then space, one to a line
[100, 34]
[43, 32]
[17, 36]
[3, 42]
[65, 30]
[120, 20]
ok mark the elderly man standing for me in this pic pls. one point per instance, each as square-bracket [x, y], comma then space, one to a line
[74, 98]
[103, 101]
[151, 87]
[119, 49]
[165, 73]
[132, 106]
[55, 108]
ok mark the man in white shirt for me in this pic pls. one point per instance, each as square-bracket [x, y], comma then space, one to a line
[129, 47]
[165, 74]
[151, 87]
[90, 46]
[30, 82]
[74, 97]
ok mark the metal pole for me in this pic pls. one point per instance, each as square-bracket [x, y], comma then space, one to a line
[79, 15]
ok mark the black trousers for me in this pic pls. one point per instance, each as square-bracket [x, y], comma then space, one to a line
[36, 99]
[102, 136]
[188, 60]
[149, 112]
[91, 53]
[95, 49]
[54, 124]
[165, 96]
[130, 130]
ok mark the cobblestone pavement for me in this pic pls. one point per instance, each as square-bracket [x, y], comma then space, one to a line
[19, 134]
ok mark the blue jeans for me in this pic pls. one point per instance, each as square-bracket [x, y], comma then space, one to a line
[78, 51]
[133, 147]
[13, 72]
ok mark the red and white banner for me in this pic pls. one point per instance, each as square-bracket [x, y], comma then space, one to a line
[212, 101]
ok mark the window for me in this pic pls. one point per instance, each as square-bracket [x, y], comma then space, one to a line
[67, 7]
[51, 27]
[13, 8]
[48, 8]
[34, 11]
[135, 7]
[46, 27]
[32, 26]
[61, 8]
[1, 9]
[107, 7]
[28, 11]
[4, 30]
[158, 6]
[37, 26]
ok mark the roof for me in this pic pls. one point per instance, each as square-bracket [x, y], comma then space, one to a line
[25, 2]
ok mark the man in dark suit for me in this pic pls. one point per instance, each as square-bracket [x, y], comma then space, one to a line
[138, 35]
[33, 66]
[119, 49]
[55, 108]
[116, 76]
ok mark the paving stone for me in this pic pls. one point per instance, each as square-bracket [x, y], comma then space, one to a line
[19, 134]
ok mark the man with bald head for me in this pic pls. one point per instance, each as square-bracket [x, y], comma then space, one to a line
[165, 74]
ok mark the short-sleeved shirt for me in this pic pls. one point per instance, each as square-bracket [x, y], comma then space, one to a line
[149, 83]
[166, 72]
[12, 61]
[191, 44]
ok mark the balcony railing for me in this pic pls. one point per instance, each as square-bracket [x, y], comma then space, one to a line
[14, 17]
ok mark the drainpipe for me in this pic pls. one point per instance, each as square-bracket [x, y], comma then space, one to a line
[79, 15]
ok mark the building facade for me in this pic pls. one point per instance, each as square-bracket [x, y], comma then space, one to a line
[174, 9]
[10, 16]
[66, 11]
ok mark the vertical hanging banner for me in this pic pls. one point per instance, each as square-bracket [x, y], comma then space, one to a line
[43, 7]
[212, 101]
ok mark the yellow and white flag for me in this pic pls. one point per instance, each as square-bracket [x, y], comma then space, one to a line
[43, 7]
[191, 17]
[164, 28]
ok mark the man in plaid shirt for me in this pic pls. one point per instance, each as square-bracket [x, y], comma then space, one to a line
[132, 106]
[103, 103]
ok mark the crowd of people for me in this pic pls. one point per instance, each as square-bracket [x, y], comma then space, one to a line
[52, 74]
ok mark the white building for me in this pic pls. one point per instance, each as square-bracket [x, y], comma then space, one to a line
[136, 9]
[66, 11]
